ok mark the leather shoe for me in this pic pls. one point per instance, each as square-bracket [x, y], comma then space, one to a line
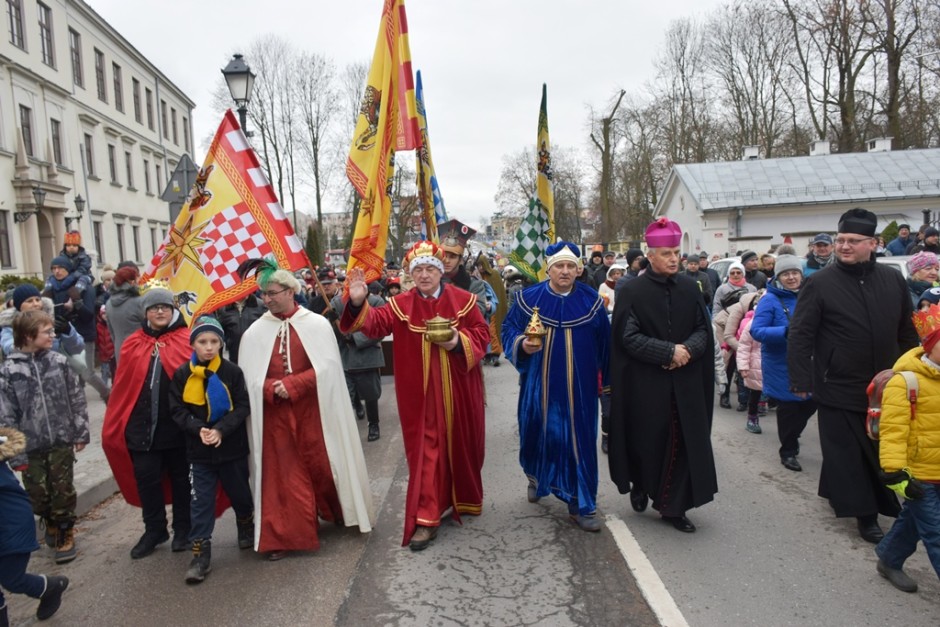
[681, 523]
[790, 463]
[897, 577]
[148, 542]
[532, 492]
[422, 538]
[724, 402]
[869, 530]
[276, 556]
[589, 522]
[181, 543]
[373, 432]
[639, 500]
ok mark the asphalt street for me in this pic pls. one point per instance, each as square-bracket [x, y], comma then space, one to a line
[767, 552]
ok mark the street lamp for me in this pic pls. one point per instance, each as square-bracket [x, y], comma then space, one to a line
[79, 211]
[39, 195]
[240, 80]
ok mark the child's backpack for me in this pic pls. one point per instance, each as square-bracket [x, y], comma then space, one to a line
[876, 389]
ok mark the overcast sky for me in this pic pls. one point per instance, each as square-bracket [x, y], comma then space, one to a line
[483, 63]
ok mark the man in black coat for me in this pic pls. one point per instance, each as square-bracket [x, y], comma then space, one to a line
[853, 320]
[235, 320]
[751, 272]
[662, 381]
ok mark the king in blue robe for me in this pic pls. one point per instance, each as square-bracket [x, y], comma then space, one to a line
[558, 390]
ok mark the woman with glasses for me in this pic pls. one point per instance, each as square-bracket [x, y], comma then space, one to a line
[727, 295]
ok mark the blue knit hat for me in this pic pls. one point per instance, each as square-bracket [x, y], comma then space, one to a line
[62, 261]
[204, 324]
[23, 293]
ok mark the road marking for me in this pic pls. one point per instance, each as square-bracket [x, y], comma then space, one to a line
[647, 579]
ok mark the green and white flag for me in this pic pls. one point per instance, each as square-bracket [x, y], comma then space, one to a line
[528, 254]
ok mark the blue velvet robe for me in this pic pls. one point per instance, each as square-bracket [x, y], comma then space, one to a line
[558, 389]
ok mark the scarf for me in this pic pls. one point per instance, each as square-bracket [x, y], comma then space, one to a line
[203, 387]
[738, 283]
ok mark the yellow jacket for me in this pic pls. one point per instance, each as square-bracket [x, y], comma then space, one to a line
[906, 443]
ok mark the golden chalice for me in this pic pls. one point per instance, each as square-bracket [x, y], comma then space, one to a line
[438, 329]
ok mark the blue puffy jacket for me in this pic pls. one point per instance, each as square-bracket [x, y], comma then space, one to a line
[16, 516]
[769, 327]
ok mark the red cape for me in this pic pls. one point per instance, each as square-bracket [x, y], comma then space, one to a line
[128, 382]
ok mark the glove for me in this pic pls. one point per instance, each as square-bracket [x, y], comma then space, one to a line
[21, 468]
[61, 326]
[903, 484]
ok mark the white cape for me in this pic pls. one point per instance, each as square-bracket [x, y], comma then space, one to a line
[340, 433]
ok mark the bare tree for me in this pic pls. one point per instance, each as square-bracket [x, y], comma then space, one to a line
[603, 139]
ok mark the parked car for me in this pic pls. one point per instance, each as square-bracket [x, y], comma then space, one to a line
[899, 263]
[721, 267]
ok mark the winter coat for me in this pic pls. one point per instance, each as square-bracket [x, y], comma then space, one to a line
[736, 315]
[811, 265]
[75, 305]
[358, 351]
[907, 443]
[192, 418]
[81, 262]
[124, 314]
[235, 322]
[704, 284]
[756, 278]
[724, 290]
[770, 327]
[898, 246]
[44, 398]
[748, 357]
[70, 343]
[917, 288]
[852, 322]
[104, 346]
[17, 525]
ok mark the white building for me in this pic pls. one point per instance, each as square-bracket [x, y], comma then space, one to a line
[82, 113]
[759, 203]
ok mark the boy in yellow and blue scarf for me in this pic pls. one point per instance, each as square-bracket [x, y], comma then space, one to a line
[209, 402]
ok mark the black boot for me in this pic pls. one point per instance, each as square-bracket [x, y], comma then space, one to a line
[373, 431]
[4, 617]
[724, 401]
[200, 566]
[246, 532]
[148, 542]
[51, 599]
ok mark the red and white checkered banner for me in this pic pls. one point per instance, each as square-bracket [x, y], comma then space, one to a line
[232, 214]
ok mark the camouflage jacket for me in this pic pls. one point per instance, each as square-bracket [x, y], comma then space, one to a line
[42, 397]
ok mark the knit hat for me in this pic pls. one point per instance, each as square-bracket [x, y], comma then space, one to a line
[614, 268]
[107, 275]
[74, 238]
[858, 221]
[23, 293]
[125, 275]
[736, 265]
[931, 296]
[921, 260]
[930, 231]
[632, 254]
[61, 261]
[206, 324]
[785, 263]
[747, 255]
[157, 296]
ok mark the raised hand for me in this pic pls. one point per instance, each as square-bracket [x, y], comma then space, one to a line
[358, 290]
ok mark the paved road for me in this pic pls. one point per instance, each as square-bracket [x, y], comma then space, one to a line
[768, 552]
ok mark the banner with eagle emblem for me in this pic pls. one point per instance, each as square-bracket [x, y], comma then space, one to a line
[387, 122]
[232, 214]
[537, 230]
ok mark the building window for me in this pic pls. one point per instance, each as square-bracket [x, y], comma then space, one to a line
[129, 168]
[159, 179]
[135, 237]
[166, 130]
[153, 239]
[135, 90]
[146, 176]
[120, 240]
[99, 75]
[75, 47]
[56, 127]
[118, 87]
[186, 134]
[15, 11]
[176, 137]
[26, 126]
[112, 163]
[149, 108]
[6, 254]
[89, 156]
[45, 34]
[99, 240]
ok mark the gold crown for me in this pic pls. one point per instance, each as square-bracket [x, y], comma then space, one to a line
[927, 322]
[422, 249]
[155, 284]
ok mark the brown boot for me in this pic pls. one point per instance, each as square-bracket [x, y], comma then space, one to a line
[65, 550]
[422, 538]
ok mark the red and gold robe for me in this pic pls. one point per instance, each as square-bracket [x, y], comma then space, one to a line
[440, 400]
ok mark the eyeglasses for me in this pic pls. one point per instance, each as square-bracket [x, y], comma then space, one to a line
[853, 242]
[48, 332]
[159, 308]
[273, 293]
[735, 272]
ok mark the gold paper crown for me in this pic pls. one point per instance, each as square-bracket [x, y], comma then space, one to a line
[154, 284]
[422, 249]
[927, 322]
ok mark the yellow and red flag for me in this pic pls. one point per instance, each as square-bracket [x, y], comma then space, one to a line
[387, 122]
[232, 214]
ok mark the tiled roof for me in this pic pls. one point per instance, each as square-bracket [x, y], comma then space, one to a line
[860, 176]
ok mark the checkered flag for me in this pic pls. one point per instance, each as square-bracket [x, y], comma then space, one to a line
[528, 255]
[235, 237]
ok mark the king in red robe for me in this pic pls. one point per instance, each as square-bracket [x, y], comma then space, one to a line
[440, 405]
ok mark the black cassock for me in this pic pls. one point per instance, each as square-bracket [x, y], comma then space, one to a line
[660, 428]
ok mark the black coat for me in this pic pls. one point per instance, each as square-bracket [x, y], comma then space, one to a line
[235, 323]
[653, 313]
[192, 418]
[851, 321]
